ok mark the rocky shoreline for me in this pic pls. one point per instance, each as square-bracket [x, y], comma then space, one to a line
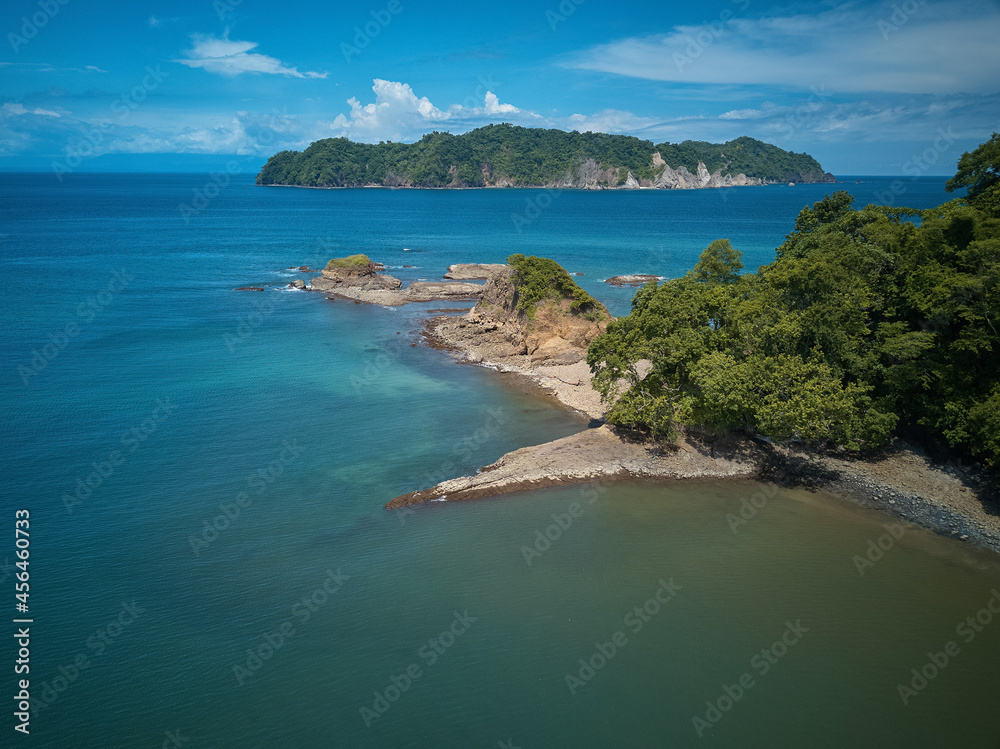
[902, 481]
[548, 351]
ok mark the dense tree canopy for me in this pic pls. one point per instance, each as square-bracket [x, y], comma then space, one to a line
[979, 171]
[519, 156]
[868, 321]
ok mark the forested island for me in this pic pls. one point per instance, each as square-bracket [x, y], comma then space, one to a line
[512, 156]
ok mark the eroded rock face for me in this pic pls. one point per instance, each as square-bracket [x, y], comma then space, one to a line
[556, 333]
[473, 271]
[356, 272]
[442, 290]
[682, 179]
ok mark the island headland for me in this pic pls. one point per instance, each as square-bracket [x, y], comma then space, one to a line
[533, 321]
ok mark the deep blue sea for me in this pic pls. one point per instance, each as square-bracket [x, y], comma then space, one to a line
[205, 470]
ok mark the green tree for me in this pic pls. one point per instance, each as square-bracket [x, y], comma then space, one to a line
[720, 262]
[868, 321]
[979, 171]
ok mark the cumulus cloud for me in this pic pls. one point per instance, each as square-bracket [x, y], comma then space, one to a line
[944, 47]
[231, 57]
[399, 114]
[492, 105]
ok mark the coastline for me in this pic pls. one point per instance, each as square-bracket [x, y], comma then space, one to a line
[554, 187]
[902, 481]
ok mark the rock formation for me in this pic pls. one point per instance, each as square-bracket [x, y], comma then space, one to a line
[555, 332]
[354, 272]
[473, 271]
[633, 280]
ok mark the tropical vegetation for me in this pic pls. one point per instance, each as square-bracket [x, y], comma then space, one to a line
[870, 323]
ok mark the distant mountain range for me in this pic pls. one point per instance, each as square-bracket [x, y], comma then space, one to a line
[512, 156]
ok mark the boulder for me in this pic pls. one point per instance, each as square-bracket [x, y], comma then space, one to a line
[353, 271]
[634, 280]
[473, 271]
[443, 289]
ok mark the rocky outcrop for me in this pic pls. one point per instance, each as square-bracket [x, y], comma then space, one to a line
[473, 271]
[634, 280]
[432, 291]
[593, 455]
[682, 179]
[555, 332]
[353, 272]
[359, 279]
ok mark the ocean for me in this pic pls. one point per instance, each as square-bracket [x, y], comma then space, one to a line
[211, 564]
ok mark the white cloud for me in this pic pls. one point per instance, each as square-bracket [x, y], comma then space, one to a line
[747, 114]
[398, 114]
[945, 47]
[94, 69]
[610, 121]
[16, 108]
[231, 57]
[492, 105]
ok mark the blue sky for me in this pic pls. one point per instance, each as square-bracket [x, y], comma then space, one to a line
[867, 88]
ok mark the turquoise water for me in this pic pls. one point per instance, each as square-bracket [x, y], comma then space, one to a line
[248, 443]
